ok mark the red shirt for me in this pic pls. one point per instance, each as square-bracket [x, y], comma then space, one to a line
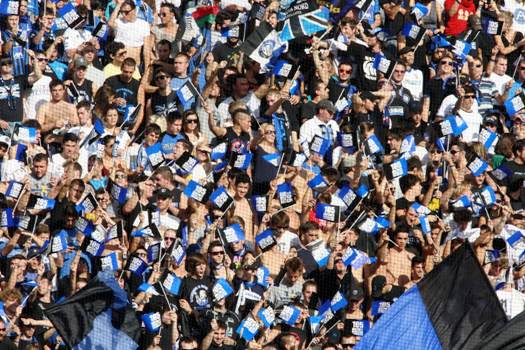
[457, 24]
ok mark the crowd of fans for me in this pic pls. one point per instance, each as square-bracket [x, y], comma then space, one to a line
[245, 208]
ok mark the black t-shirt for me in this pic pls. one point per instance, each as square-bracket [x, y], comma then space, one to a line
[11, 92]
[366, 74]
[223, 52]
[78, 93]
[163, 105]
[197, 292]
[126, 90]
[236, 143]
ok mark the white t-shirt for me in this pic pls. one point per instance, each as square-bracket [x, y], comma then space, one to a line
[474, 121]
[252, 102]
[132, 34]
[73, 38]
[39, 94]
[286, 241]
[413, 82]
[512, 301]
[447, 106]
[500, 81]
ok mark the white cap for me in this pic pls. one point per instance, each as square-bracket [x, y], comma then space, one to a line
[5, 140]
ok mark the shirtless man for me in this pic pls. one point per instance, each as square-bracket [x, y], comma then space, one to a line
[57, 113]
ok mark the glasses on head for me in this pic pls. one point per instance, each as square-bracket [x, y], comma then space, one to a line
[450, 63]
[161, 77]
[217, 253]
[191, 121]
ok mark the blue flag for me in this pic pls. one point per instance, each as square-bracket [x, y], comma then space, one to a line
[515, 104]
[109, 262]
[221, 289]
[219, 151]
[8, 219]
[155, 155]
[488, 138]
[501, 173]
[172, 284]
[262, 275]
[425, 224]
[14, 189]
[248, 329]
[9, 7]
[420, 11]
[462, 48]
[233, 233]
[119, 193]
[290, 315]
[221, 198]
[267, 316]
[338, 302]
[152, 321]
[383, 64]
[328, 212]
[272, 158]
[285, 194]
[318, 183]
[477, 166]
[265, 240]
[515, 238]
[196, 191]
[487, 196]
[136, 265]
[242, 161]
[462, 202]
[408, 145]
[396, 169]
[319, 145]
[373, 145]
[24, 134]
[147, 288]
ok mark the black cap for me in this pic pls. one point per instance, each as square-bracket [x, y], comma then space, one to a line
[367, 95]
[415, 107]
[163, 193]
[491, 120]
[356, 293]
[405, 50]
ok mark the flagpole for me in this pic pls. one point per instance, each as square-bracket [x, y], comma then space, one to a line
[517, 64]
[165, 296]
[329, 329]
[18, 199]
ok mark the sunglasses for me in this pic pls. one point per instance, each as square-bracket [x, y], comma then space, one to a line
[169, 238]
[6, 63]
[522, 68]
[477, 65]
[40, 59]
[163, 14]
[270, 132]
[454, 152]
[216, 253]
[450, 63]
[191, 121]
[469, 96]
[161, 77]
[347, 71]
[126, 12]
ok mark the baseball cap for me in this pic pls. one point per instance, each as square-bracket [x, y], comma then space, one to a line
[5, 140]
[80, 62]
[405, 50]
[326, 104]
[163, 193]
[367, 95]
[491, 120]
[356, 293]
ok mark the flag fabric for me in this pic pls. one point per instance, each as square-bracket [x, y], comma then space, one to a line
[196, 191]
[261, 44]
[97, 316]
[289, 315]
[24, 134]
[21, 154]
[186, 162]
[420, 209]
[491, 26]
[439, 41]
[155, 155]
[487, 196]
[262, 275]
[272, 158]
[318, 183]
[477, 166]
[462, 202]
[488, 138]
[187, 92]
[515, 104]
[232, 234]
[373, 145]
[221, 289]
[338, 302]
[152, 321]
[84, 226]
[515, 238]
[321, 256]
[171, 283]
[40, 203]
[453, 124]
[219, 151]
[420, 11]
[383, 64]
[87, 204]
[265, 240]
[92, 247]
[285, 194]
[242, 161]
[319, 145]
[345, 140]
[267, 316]
[304, 18]
[462, 48]
[346, 195]
[283, 68]
[425, 224]
[8, 218]
[99, 233]
[151, 231]
[9, 7]
[396, 169]
[109, 262]
[147, 288]
[119, 193]
[501, 173]
[69, 14]
[101, 31]
[328, 212]
[153, 252]
[205, 14]
[248, 329]
[408, 145]
[454, 306]
[413, 31]
[136, 265]
[221, 198]
[177, 251]
[14, 190]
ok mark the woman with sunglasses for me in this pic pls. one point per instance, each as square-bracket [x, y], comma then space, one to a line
[164, 100]
[191, 128]
[266, 159]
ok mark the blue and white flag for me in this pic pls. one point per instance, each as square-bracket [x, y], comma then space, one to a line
[462, 49]
[487, 196]
[9, 7]
[92, 247]
[488, 138]
[267, 316]
[232, 234]
[413, 31]
[346, 195]
[305, 24]
[196, 191]
[185, 163]
[59, 242]
[248, 329]
[285, 69]
[382, 222]
[420, 11]
[219, 151]
[265, 240]
[321, 256]
[119, 193]
[136, 265]
[491, 255]
[345, 140]
[187, 93]
[338, 302]
[439, 41]
[319, 145]
[318, 183]
[24, 134]
[178, 252]
[369, 226]
[262, 275]
[84, 226]
[221, 289]
[150, 231]
[242, 161]
[171, 283]
[362, 191]
[147, 288]
[221, 198]
[425, 224]
[408, 145]
[420, 209]
[87, 204]
[515, 238]
[40, 203]
[477, 166]
[155, 155]
[373, 145]
[515, 104]
[285, 194]
[328, 212]
[153, 253]
[8, 218]
[396, 169]
[14, 189]
[290, 314]
[491, 26]
[152, 321]
[69, 14]
[383, 64]
[457, 124]
[260, 204]
[109, 262]
[501, 173]
[272, 158]
[462, 202]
